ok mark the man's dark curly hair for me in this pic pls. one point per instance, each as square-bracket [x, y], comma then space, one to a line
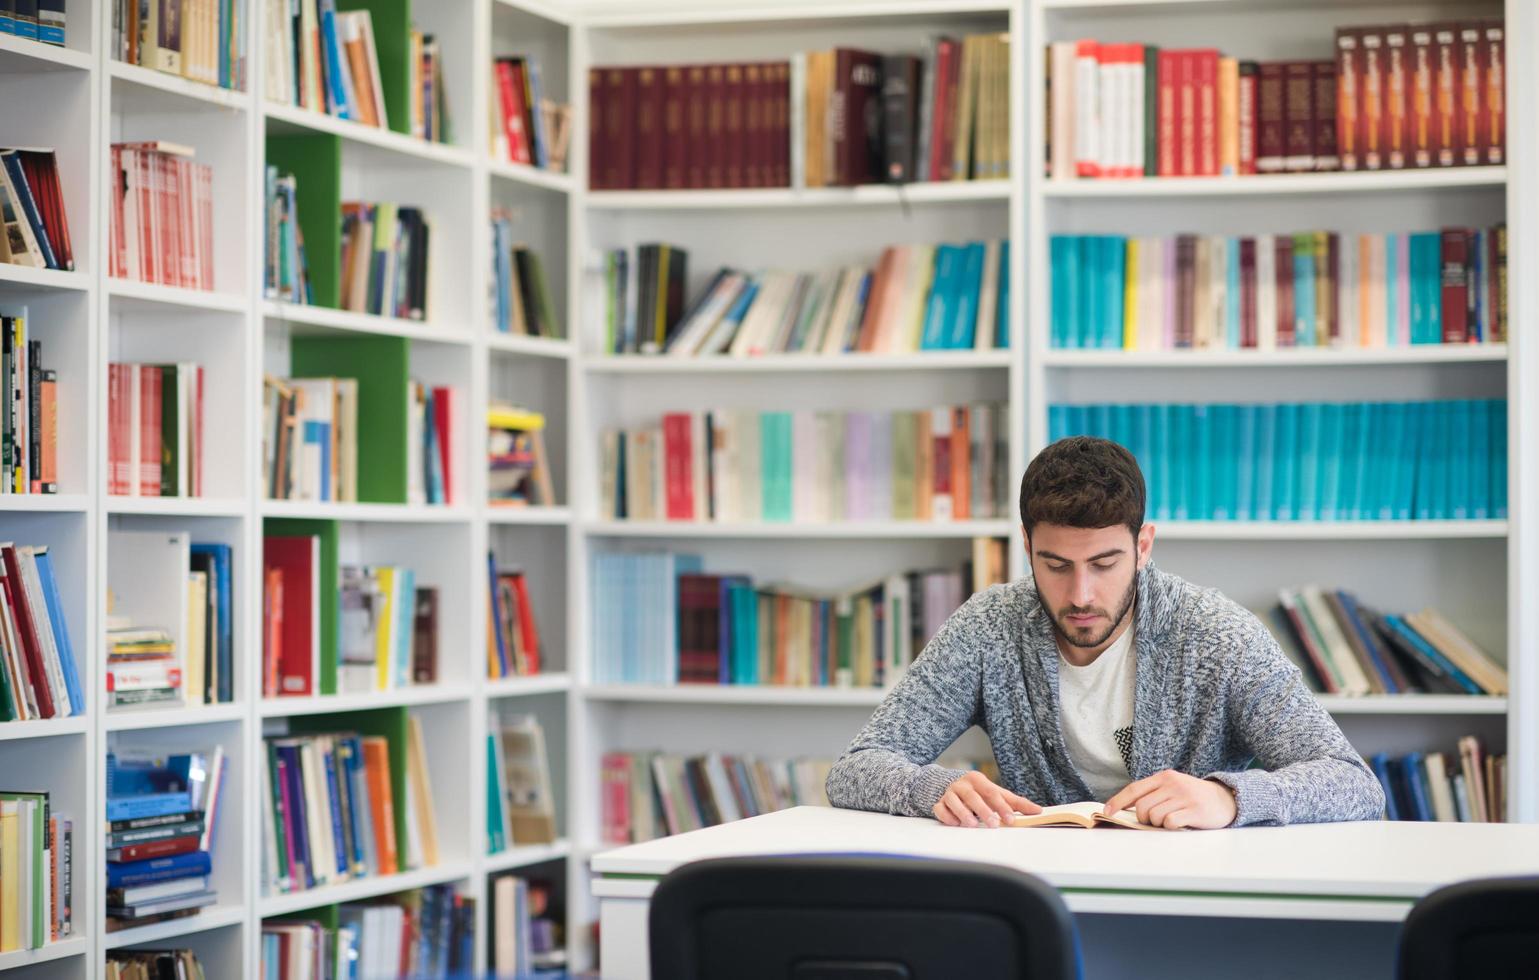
[1082, 481]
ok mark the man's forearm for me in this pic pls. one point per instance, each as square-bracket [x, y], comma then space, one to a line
[883, 780]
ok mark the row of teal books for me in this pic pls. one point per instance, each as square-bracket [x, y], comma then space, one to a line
[1309, 289]
[1327, 461]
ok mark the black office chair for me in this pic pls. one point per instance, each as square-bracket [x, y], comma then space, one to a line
[1474, 929]
[858, 918]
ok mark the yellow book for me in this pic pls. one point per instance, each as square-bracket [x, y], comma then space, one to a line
[384, 673]
[10, 876]
[1086, 815]
[1130, 297]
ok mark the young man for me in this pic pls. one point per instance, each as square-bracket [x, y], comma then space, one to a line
[1100, 677]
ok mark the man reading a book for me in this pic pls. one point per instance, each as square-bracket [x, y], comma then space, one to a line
[1100, 677]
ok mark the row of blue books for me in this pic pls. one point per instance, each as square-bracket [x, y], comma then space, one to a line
[1327, 461]
[1469, 786]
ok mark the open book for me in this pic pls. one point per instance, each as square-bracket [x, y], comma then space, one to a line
[1087, 814]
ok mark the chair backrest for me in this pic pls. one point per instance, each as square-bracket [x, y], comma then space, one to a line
[857, 918]
[1483, 928]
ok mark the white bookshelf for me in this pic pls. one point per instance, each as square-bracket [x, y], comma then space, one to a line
[79, 100]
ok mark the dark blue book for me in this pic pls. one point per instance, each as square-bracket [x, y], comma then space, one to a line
[221, 587]
[1430, 652]
[1380, 766]
[334, 791]
[301, 869]
[122, 874]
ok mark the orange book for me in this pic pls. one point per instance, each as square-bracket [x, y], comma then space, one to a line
[358, 67]
[376, 763]
[886, 268]
[961, 464]
[1228, 116]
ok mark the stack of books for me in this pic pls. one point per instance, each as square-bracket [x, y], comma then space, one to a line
[810, 466]
[1387, 98]
[428, 932]
[29, 429]
[527, 928]
[1325, 461]
[285, 274]
[389, 629]
[162, 215]
[323, 60]
[513, 635]
[1311, 289]
[859, 118]
[1469, 786]
[521, 295]
[144, 667]
[32, 210]
[201, 40]
[38, 674]
[153, 964]
[526, 127]
[384, 268]
[664, 621]
[1344, 647]
[331, 811]
[161, 813]
[518, 467]
[916, 298]
[36, 871]
[155, 430]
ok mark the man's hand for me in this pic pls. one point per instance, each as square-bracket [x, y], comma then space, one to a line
[1175, 800]
[973, 800]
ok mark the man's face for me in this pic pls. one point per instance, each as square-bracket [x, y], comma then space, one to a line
[1087, 578]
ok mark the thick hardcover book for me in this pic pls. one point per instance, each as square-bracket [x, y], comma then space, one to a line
[900, 104]
[1298, 110]
[1445, 40]
[1422, 100]
[1348, 96]
[857, 117]
[1398, 82]
[1493, 94]
[1455, 291]
[649, 129]
[1271, 119]
[1323, 109]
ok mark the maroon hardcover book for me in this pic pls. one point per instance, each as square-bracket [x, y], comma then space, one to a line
[1298, 110]
[675, 144]
[1271, 119]
[623, 127]
[781, 134]
[1247, 292]
[1349, 58]
[1423, 97]
[734, 136]
[1284, 272]
[716, 126]
[1494, 105]
[1456, 261]
[754, 163]
[1397, 90]
[1445, 39]
[1186, 288]
[1326, 138]
[699, 629]
[598, 150]
[1370, 109]
[696, 149]
[1471, 71]
[857, 117]
[649, 129]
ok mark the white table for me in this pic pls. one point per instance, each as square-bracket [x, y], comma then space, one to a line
[1328, 897]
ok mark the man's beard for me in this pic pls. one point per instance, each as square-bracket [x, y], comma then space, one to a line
[1074, 640]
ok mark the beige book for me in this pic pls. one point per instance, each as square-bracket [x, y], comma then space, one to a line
[1088, 814]
[197, 622]
[1453, 644]
[421, 791]
[1062, 110]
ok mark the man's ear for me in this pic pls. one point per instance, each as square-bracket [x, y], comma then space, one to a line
[1145, 544]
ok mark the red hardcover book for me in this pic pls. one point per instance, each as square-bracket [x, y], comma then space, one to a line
[528, 630]
[1188, 112]
[1284, 272]
[755, 166]
[1348, 71]
[699, 629]
[943, 123]
[734, 135]
[1247, 292]
[1169, 116]
[1455, 297]
[27, 627]
[1186, 289]
[1423, 97]
[149, 422]
[1370, 125]
[782, 131]
[598, 148]
[678, 456]
[1247, 122]
[1207, 112]
[1397, 88]
[649, 129]
[510, 86]
[675, 139]
[1323, 108]
[622, 128]
[1445, 38]
[696, 148]
[716, 126]
[297, 559]
[443, 422]
[1471, 67]
[169, 847]
[1271, 119]
[1298, 109]
[1494, 103]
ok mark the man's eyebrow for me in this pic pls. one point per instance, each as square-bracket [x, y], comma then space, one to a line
[1042, 553]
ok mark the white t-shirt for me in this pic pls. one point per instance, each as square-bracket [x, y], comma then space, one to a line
[1096, 712]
